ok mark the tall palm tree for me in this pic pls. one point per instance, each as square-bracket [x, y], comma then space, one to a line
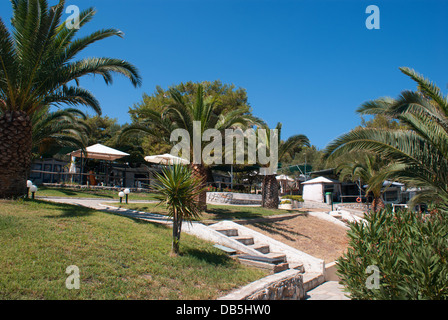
[178, 190]
[270, 186]
[182, 113]
[38, 69]
[420, 150]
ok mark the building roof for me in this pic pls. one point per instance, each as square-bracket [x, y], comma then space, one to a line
[321, 180]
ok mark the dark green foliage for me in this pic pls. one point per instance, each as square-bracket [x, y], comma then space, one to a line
[410, 249]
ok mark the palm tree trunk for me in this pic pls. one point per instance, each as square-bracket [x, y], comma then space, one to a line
[377, 204]
[177, 229]
[15, 153]
[269, 192]
[200, 172]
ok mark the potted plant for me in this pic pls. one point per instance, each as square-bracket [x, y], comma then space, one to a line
[285, 204]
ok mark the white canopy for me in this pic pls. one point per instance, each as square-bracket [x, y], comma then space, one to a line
[101, 152]
[284, 177]
[166, 159]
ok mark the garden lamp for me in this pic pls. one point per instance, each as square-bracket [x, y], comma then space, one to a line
[126, 192]
[121, 195]
[29, 183]
[33, 190]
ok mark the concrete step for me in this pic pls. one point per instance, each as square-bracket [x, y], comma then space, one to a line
[263, 248]
[229, 232]
[273, 268]
[245, 240]
[297, 266]
[276, 256]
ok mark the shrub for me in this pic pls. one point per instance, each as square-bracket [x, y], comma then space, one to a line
[410, 250]
[285, 202]
[293, 197]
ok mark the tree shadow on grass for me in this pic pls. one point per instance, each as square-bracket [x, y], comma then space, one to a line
[217, 259]
[74, 193]
[67, 210]
[227, 214]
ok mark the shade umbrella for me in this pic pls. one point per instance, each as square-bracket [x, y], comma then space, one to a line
[100, 152]
[285, 182]
[166, 159]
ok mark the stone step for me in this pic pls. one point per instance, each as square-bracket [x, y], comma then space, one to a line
[276, 256]
[274, 268]
[245, 240]
[263, 248]
[297, 266]
[263, 258]
[225, 249]
[228, 232]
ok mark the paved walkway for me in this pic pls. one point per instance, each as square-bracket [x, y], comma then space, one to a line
[329, 290]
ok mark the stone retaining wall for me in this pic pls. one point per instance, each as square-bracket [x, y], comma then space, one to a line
[286, 285]
[233, 198]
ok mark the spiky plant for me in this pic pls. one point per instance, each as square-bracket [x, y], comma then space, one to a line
[38, 69]
[178, 189]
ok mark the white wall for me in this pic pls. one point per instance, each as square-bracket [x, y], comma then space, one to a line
[313, 192]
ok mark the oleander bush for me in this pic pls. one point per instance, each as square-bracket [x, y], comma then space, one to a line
[409, 249]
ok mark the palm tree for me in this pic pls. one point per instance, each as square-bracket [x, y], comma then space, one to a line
[269, 193]
[61, 128]
[182, 113]
[37, 69]
[178, 189]
[372, 171]
[420, 151]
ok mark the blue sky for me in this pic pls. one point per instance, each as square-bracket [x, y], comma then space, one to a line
[307, 64]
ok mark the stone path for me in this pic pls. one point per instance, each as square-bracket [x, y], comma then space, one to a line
[329, 290]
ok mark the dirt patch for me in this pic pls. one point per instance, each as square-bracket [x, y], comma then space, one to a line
[314, 236]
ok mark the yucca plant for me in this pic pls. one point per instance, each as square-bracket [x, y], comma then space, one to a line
[178, 190]
[38, 69]
[420, 151]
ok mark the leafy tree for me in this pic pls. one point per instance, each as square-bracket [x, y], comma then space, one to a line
[38, 69]
[227, 99]
[180, 113]
[178, 190]
[420, 151]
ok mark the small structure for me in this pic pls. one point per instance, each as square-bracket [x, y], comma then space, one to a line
[100, 152]
[315, 189]
[286, 183]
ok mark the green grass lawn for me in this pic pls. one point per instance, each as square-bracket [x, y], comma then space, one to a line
[215, 212]
[118, 257]
[89, 193]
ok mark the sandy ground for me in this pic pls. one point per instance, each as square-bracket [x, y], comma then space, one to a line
[319, 238]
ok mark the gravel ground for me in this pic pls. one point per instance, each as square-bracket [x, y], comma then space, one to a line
[319, 238]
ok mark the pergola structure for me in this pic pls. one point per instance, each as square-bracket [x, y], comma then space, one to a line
[98, 152]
